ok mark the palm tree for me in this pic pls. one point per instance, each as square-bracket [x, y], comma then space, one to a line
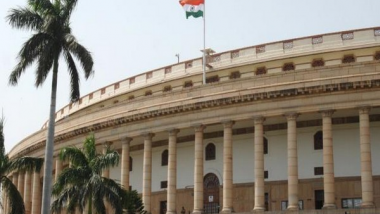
[27, 164]
[49, 20]
[81, 185]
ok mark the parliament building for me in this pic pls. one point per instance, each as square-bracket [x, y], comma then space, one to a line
[289, 126]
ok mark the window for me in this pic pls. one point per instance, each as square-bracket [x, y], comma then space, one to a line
[318, 63]
[235, 54]
[318, 140]
[131, 97]
[164, 158]
[149, 75]
[235, 75]
[80, 101]
[377, 55]
[91, 96]
[132, 80]
[164, 184]
[188, 84]
[261, 71]
[168, 70]
[348, 59]
[288, 67]
[212, 79]
[317, 40]
[348, 36]
[287, 45]
[351, 203]
[116, 86]
[103, 91]
[148, 93]
[189, 64]
[318, 170]
[266, 201]
[130, 163]
[167, 88]
[210, 152]
[260, 49]
[265, 146]
[266, 174]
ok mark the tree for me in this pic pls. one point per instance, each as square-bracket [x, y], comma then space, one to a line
[27, 164]
[51, 40]
[81, 185]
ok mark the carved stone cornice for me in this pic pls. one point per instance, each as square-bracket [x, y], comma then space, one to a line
[226, 101]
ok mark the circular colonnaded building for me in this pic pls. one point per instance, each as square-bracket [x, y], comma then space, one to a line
[281, 126]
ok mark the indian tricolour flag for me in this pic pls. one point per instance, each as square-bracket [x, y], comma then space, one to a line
[193, 8]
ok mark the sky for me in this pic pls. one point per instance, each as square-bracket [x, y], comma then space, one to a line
[131, 37]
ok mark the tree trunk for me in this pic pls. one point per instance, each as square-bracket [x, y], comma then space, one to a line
[49, 149]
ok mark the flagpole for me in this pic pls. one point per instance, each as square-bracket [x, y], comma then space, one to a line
[204, 44]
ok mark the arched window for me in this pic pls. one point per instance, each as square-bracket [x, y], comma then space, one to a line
[210, 152]
[130, 163]
[164, 158]
[318, 140]
[265, 146]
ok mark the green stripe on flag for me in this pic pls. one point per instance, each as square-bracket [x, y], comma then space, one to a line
[197, 14]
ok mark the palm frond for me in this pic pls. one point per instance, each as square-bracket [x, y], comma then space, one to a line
[82, 54]
[28, 164]
[132, 203]
[71, 176]
[16, 204]
[29, 52]
[89, 147]
[44, 7]
[24, 18]
[68, 7]
[45, 63]
[74, 77]
[74, 155]
[2, 148]
[106, 161]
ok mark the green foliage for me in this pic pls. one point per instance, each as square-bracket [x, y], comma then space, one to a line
[52, 39]
[81, 185]
[27, 164]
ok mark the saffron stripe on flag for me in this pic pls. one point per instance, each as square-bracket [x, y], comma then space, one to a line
[192, 2]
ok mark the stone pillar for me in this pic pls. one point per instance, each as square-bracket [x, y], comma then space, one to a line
[27, 192]
[125, 162]
[292, 162]
[365, 158]
[15, 179]
[328, 161]
[21, 182]
[58, 167]
[227, 167]
[172, 172]
[198, 169]
[36, 198]
[259, 165]
[147, 172]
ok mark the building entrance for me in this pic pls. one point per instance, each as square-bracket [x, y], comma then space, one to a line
[319, 199]
[211, 193]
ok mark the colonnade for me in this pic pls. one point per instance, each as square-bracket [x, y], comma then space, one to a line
[23, 180]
